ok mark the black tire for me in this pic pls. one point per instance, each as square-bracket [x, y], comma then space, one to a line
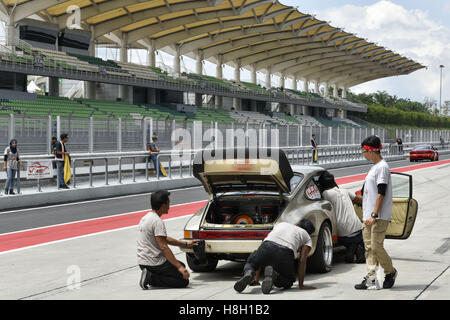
[321, 261]
[193, 264]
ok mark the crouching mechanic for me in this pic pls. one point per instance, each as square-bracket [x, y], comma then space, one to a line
[159, 266]
[277, 256]
[349, 227]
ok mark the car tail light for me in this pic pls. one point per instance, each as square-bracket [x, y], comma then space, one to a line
[190, 234]
[335, 238]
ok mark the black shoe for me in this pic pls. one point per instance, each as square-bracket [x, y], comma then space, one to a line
[11, 192]
[6, 191]
[243, 282]
[64, 187]
[269, 279]
[360, 254]
[389, 279]
[367, 284]
[145, 281]
[350, 253]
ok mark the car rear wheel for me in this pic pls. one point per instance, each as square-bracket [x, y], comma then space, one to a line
[322, 259]
[194, 265]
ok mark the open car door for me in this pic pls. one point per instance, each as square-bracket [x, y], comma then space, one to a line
[404, 207]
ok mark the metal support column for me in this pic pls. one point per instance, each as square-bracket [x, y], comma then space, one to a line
[91, 134]
[119, 135]
[12, 127]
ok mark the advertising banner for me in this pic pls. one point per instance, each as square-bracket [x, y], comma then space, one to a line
[39, 169]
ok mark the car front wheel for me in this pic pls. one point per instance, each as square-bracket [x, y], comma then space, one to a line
[194, 265]
[322, 259]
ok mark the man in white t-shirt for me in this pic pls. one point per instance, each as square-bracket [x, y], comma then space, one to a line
[158, 264]
[377, 207]
[349, 227]
[277, 256]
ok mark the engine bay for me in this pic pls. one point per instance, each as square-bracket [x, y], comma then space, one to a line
[244, 211]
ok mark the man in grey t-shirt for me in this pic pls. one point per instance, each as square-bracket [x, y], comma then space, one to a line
[159, 266]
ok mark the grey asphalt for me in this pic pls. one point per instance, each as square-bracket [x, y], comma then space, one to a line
[103, 266]
[46, 216]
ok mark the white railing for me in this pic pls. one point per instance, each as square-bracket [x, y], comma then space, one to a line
[97, 169]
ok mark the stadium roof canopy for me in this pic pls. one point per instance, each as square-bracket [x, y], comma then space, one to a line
[262, 34]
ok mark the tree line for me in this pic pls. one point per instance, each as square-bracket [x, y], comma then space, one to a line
[384, 108]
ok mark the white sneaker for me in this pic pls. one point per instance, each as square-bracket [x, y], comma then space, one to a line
[368, 284]
[373, 285]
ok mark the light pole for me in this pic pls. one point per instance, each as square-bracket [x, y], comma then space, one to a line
[440, 90]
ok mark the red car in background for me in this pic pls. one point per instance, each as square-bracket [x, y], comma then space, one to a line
[423, 152]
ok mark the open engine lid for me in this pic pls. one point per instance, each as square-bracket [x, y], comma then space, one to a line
[233, 170]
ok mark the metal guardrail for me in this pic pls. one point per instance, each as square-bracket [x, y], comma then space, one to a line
[173, 161]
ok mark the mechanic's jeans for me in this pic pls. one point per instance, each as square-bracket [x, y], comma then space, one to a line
[347, 241]
[11, 176]
[60, 165]
[375, 252]
[279, 257]
[166, 276]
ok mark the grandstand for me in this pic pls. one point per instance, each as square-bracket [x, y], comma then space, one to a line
[264, 36]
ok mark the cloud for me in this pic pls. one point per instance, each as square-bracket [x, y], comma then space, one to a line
[411, 33]
[447, 6]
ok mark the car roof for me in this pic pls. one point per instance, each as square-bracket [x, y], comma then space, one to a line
[307, 170]
[423, 145]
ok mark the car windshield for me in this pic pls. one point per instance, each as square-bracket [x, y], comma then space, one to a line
[422, 148]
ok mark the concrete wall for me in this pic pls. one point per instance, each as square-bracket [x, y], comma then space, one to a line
[227, 103]
[13, 81]
[107, 91]
[83, 194]
[19, 95]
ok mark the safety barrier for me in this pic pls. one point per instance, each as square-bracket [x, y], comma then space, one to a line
[179, 167]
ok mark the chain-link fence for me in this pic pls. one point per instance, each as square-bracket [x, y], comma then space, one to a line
[32, 132]
[78, 130]
[109, 135]
[106, 135]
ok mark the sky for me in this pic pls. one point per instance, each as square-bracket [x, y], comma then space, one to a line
[418, 29]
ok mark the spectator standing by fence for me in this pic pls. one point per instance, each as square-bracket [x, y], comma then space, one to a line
[60, 154]
[314, 148]
[11, 165]
[399, 145]
[154, 151]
